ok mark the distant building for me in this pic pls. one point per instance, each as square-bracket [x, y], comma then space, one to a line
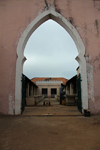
[71, 91]
[49, 87]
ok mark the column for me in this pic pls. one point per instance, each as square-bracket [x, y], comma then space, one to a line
[32, 90]
[49, 91]
[58, 92]
[27, 91]
[71, 89]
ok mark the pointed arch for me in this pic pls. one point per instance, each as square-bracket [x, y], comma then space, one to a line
[49, 14]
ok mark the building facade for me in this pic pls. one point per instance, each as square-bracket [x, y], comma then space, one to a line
[19, 19]
[49, 87]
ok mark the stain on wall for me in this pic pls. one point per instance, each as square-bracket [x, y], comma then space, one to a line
[56, 8]
[95, 61]
[97, 4]
[97, 26]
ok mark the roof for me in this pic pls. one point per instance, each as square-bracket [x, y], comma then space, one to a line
[27, 79]
[64, 80]
[73, 79]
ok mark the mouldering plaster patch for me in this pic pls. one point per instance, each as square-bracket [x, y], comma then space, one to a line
[92, 106]
[28, 21]
[20, 31]
[90, 81]
[97, 26]
[49, 6]
[56, 8]
[96, 63]
[11, 104]
[97, 4]
[72, 21]
[86, 43]
[46, 7]
[97, 105]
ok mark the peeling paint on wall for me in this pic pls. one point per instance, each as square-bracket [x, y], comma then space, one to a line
[96, 63]
[11, 104]
[28, 21]
[90, 87]
[90, 81]
[86, 43]
[20, 31]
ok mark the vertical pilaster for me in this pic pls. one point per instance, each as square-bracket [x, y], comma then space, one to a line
[71, 89]
[58, 92]
[49, 91]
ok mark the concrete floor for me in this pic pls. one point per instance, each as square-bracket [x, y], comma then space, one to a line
[54, 109]
[36, 129]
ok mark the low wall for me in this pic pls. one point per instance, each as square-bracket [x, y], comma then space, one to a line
[70, 100]
[57, 97]
[33, 100]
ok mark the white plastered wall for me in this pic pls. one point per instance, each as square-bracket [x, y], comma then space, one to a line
[49, 14]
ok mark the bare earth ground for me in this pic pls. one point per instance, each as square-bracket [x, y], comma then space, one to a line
[42, 131]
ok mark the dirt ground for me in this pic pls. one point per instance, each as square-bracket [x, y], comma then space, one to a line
[49, 132]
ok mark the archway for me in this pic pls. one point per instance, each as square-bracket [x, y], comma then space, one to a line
[50, 14]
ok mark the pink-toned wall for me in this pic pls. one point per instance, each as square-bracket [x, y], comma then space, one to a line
[16, 15]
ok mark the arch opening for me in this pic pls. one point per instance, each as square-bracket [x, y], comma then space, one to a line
[50, 43]
[49, 14]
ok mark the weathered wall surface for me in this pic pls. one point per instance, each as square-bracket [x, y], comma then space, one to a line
[15, 16]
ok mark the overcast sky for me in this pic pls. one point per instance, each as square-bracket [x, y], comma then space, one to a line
[50, 52]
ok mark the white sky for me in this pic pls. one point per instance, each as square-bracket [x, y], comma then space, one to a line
[50, 52]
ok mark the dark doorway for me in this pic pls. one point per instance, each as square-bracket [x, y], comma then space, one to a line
[44, 92]
[53, 92]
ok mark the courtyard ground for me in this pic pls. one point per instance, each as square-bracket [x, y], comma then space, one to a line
[55, 128]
